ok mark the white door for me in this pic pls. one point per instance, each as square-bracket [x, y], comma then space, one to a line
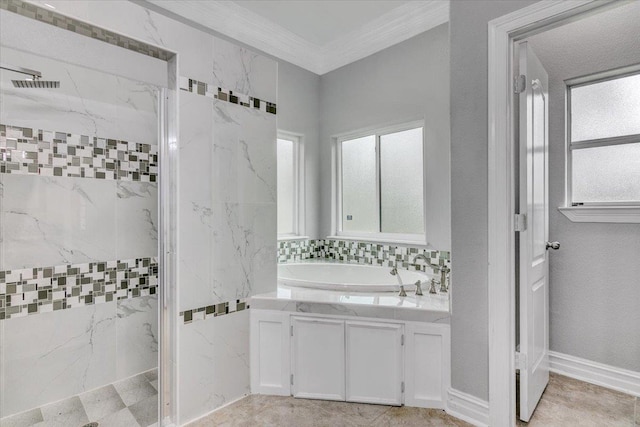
[534, 200]
[318, 358]
[374, 363]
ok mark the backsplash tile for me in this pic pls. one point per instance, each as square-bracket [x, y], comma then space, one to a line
[31, 291]
[387, 255]
[50, 153]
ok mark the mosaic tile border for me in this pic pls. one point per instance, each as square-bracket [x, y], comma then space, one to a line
[50, 17]
[48, 153]
[211, 91]
[386, 255]
[214, 310]
[30, 291]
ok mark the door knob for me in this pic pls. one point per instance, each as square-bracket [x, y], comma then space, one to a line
[553, 245]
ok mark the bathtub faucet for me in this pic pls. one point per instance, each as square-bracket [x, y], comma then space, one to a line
[442, 269]
[394, 272]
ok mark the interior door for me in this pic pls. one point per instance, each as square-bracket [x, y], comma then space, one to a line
[534, 200]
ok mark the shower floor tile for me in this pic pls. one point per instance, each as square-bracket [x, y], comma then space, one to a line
[132, 402]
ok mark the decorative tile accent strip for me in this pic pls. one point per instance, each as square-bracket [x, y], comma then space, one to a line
[210, 91]
[31, 291]
[382, 254]
[215, 310]
[79, 27]
[299, 250]
[359, 252]
[47, 153]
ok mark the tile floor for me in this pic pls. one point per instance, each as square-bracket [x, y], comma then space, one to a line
[565, 403]
[132, 402]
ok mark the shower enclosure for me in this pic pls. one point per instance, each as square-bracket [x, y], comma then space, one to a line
[80, 272]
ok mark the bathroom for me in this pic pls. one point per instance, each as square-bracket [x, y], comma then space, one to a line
[157, 203]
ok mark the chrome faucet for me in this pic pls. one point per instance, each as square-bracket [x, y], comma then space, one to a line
[442, 269]
[394, 272]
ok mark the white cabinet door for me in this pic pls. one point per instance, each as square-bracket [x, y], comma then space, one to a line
[270, 353]
[318, 358]
[428, 365]
[374, 362]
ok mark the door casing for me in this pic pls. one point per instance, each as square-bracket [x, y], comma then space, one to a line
[503, 33]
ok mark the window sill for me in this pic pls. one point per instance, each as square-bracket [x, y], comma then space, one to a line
[287, 238]
[610, 214]
[414, 243]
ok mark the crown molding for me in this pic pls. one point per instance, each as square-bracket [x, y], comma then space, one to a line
[398, 25]
[250, 28]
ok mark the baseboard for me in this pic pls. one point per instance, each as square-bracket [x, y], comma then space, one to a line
[199, 417]
[468, 408]
[595, 373]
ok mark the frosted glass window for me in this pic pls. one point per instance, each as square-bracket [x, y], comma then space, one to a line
[401, 182]
[359, 189]
[606, 174]
[606, 109]
[286, 186]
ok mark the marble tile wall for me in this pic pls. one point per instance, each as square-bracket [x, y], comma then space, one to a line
[78, 233]
[227, 191]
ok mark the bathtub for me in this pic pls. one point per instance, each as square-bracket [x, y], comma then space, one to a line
[347, 277]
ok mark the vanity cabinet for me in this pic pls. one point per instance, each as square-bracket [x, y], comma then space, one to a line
[349, 359]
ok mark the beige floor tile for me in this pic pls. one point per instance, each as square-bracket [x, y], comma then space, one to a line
[569, 402]
[358, 413]
[418, 417]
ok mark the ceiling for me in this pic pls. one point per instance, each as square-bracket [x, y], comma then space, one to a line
[318, 35]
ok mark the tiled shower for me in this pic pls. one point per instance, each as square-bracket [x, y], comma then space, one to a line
[104, 234]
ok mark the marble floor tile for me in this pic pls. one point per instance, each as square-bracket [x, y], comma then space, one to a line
[567, 401]
[359, 413]
[69, 412]
[101, 402]
[145, 411]
[417, 417]
[135, 389]
[121, 418]
[24, 419]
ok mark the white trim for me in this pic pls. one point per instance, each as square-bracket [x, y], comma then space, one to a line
[412, 243]
[219, 408]
[501, 237]
[299, 188]
[596, 373]
[468, 408]
[233, 20]
[612, 214]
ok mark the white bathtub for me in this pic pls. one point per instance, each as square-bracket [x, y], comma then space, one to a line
[351, 277]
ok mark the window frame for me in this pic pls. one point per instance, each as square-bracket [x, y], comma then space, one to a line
[298, 186]
[337, 223]
[569, 203]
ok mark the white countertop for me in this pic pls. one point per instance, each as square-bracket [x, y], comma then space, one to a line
[437, 302]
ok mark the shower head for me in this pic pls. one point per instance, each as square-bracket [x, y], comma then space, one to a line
[34, 82]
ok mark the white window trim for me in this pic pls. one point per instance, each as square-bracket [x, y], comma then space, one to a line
[336, 165]
[607, 212]
[299, 203]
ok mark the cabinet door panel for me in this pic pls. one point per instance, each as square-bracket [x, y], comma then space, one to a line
[318, 358]
[374, 363]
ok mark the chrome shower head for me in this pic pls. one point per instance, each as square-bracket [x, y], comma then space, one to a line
[36, 84]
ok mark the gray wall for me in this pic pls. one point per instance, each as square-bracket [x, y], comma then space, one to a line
[469, 335]
[402, 83]
[299, 112]
[595, 277]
